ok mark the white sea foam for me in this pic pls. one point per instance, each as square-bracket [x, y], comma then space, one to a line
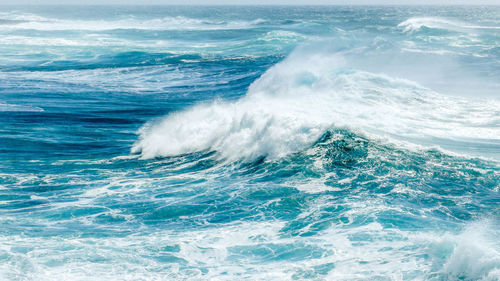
[58, 41]
[297, 100]
[417, 23]
[15, 107]
[129, 79]
[275, 37]
[281, 35]
[253, 250]
[474, 254]
[32, 21]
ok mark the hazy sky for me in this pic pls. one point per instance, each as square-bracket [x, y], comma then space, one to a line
[249, 2]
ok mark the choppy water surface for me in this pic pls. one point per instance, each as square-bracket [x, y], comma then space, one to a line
[249, 143]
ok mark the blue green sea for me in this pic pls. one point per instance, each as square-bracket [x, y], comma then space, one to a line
[250, 143]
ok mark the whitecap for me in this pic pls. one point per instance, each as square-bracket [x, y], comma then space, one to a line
[417, 23]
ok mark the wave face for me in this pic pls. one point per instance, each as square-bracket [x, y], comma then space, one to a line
[249, 143]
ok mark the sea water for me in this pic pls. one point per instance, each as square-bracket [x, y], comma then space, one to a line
[249, 143]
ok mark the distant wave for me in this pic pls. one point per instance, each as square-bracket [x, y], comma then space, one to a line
[14, 107]
[96, 40]
[59, 41]
[417, 23]
[31, 21]
[297, 100]
[281, 35]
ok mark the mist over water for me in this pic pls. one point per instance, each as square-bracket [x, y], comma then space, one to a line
[249, 143]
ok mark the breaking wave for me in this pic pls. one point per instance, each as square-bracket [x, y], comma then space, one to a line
[291, 105]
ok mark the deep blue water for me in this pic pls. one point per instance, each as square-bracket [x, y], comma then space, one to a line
[249, 143]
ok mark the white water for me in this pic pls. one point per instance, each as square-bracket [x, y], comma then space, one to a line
[31, 21]
[416, 23]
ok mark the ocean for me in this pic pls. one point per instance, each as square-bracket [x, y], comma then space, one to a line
[249, 143]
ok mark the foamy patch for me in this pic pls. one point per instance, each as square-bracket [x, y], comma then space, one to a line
[15, 107]
[417, 23]
[282, 35]
[31, 21]
[51, 41]
[257, 250]
[474, 254]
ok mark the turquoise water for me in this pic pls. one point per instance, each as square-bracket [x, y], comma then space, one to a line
[249, 143]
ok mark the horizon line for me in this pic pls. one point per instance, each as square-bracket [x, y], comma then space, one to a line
[235, 5]
[248, 5]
